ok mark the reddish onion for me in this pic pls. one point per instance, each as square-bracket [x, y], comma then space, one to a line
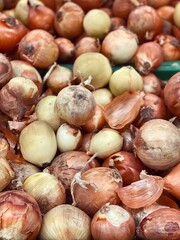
[157, 4]
[166, 12]
[148, 57]
[128, 134]
[6, 71]
[89, 4]
[117, 22]
[152, 84]
[172, 94]
[157, 144]
[96, 187]
[112, 222]
[66, 49]
[145, 22]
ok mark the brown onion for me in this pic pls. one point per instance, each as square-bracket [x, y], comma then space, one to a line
[157, 4]
[24, 225]
[89, 4]
[161, 224]
[68, 21]
[66, 49]
[145, 22]
[152, 84]
[112, 222]
[96, 187]
[172, 94]
[117, 22]
[148, 57]
[166, 12]
[38, 48]
[128, 135]
[119, 46]
[128, 165]
[157, 144]
[6, 72]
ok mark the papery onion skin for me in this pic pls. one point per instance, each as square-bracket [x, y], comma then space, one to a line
[75, 105]
[158, 149]
[21, 225]
[65, 222]
[172, 88]
[161, 224]
[106, 180]
[7, 173]
[6, 72]
[112, 222]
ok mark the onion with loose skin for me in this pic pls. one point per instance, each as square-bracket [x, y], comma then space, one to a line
[94, 188]
[94, 65]
[119, 46]
[20, 216]
[6, 71]
[65, 222]
[75, 105]
[157, 144]
[7, 173]
[38, 143]
[172, 88]
[112, 222]
[125, 79]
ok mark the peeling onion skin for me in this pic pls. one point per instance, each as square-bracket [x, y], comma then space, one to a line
[24, 225]
[107, 182]
[6, 71]
[161, 224]
[112, 222]
[158, 149]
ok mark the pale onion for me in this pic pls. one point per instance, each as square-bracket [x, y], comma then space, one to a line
[157, 144]
[65, 222]
[94, 65]
[111, 142]
[45, 111]
[6, 72]
[92, 27]
[161, 224]
[46, 190]
[57, 78]
[4, 147]
[95, 187]
[75, 104]
[125, 79]
[112, 222]
[17, 97]
[123, 109]
[38, 143]
[152, 84]
[102, 96]
[144, 192]
[20, 216]
[7, 173]
[119, 46]
[176, 14]
[172, 181]
[68, 137]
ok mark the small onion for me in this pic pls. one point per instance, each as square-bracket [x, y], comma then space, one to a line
[7, 173]
[38, 143]
[176, 17]
[46, 190]
[94, 65]
[6, 72]
[75, 104]
[20, 216]
[102, 96]
[92, 27]
[112, 222]
[119, 46]
[151, 84]
[158, 149]
[65, 222]
[125, 79]
[89, 4]
[4, 147]
[96, 187]
[66, 49]
[157, 4]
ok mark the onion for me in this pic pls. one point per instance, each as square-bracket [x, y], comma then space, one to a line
[152, 84]
[96, 187]
[94, 65]
[75, 104]
[94, 28]
[65, 222]
[112, 222]
[145, 22]
[66, 49]
[166, 12]
[7, 173]
[125, 79]
[89, 4]
[157, 4]
[38, 143]
[158, 149]
[119, 46]
[128, 135]
[6, 72]
[20, 215]
[172, 88]
[102, 96]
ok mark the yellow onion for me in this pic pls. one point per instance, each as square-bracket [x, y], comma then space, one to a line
[38, 143]
[65, 222]
[94, 65]
[112, 222]
[125, 79]
[176, 17]
[7, 173]
[157, 144]
[144, 192]
[4, 147]
[102, 96]
[20, 216]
